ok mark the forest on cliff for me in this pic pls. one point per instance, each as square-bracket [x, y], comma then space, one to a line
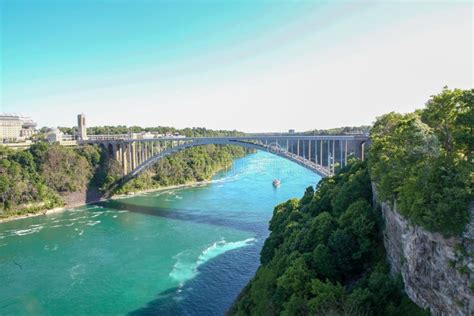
[325, 256]
[325, 253]
[423, 161]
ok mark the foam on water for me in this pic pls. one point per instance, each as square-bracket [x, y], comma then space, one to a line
[31, 230]
[186, 266]
[93, 223]
[54, 248]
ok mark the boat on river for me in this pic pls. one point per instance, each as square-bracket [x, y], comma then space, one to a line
[276, 183]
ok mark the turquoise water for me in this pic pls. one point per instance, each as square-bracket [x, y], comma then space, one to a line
[186, 251]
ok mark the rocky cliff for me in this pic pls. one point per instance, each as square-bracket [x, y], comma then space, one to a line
[438, 272]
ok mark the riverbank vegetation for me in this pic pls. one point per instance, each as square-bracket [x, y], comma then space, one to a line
[40, 177]
[35, 179]
[325, 256]
[423, 161]
[190, 165]
[325, 253]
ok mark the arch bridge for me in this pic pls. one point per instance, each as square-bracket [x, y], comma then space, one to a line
[319, 153]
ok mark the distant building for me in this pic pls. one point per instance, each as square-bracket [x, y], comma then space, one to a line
[148, 135]
[16, 128]
[56, 136]
[291, 131]
[81, 127]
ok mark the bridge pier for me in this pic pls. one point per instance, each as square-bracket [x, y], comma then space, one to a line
[345, 155]
[124, 152]
[309, 150]
[333, 156]
[363, 151]
[118, 154]
[133, 155]
[319, 152]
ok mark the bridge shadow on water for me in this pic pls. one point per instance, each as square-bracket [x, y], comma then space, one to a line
[231, 220]
[218, 281]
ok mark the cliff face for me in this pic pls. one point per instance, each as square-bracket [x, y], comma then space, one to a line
[438, 272]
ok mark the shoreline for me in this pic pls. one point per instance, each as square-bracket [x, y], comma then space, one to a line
[72, 205]
[61, 209]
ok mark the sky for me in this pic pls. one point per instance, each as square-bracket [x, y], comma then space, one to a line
[254, 66]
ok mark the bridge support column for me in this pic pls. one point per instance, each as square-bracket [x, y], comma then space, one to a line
[141, 151]
[146, 151]
[124, 158]
[309, 150]
[333, 156]
[340, 152]
[134, 155]
[139, 154]
[329, 155]
[321, 153]
[362, 151]
[316, 151]
[118, 155]
[345, 154]
[298, 148]
[130, 156]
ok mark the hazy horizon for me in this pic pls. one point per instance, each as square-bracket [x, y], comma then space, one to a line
[252, 66]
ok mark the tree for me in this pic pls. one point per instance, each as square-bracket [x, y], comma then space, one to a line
[64, 171]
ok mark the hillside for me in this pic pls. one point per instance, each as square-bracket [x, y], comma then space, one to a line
[325, 256]
[46, 176]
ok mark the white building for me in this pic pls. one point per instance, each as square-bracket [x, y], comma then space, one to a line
[55, 135]
[16, 128]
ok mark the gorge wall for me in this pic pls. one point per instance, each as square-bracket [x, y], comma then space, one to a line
[438, 272]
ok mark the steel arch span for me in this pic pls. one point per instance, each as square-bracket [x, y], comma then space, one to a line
[319, 154]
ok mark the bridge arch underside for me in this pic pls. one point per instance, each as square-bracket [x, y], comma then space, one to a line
[316, 168]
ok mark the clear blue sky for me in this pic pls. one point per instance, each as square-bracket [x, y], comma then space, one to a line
[248, 65]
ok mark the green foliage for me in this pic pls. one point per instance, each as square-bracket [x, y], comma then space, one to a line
[64, 170]
[33, 180]
[121, 129]
[423, 161]
[190, 165]
[340, 130]
[36, 179]
[324, 256]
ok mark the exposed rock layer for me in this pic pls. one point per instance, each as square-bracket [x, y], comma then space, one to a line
[438, 272]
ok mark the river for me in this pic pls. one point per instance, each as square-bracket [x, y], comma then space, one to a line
[186, 251]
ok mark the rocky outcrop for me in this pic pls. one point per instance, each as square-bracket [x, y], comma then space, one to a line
[438, 272]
